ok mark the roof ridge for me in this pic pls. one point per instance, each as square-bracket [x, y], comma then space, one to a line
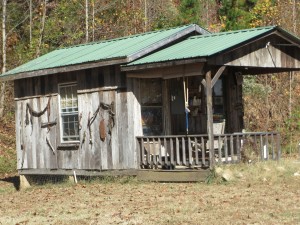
[126, 37]
[234, 31]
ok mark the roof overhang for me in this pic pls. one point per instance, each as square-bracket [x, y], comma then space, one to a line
[163, 64]
[64, 69]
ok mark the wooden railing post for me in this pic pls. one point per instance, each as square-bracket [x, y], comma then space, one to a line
[138, 154]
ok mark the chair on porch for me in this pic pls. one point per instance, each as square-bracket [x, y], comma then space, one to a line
[155, 151]
[218, 128]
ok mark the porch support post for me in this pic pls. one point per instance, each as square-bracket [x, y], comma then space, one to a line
[210, 131]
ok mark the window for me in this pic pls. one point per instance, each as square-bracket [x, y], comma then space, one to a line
[68, 112]
[151, 106]
[218, 100]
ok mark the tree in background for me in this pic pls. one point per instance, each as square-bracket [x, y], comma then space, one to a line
[235, 14]
[189, 12]
[264, 13]
[36, 27]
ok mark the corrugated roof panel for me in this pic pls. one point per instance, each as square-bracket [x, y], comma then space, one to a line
[98, 51]
[203, 46]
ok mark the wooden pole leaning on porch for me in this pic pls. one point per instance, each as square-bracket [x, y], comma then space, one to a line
[210, 131]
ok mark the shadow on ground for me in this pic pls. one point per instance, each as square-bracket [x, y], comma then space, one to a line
[15, 180]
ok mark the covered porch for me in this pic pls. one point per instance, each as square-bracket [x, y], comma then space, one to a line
[191, 103]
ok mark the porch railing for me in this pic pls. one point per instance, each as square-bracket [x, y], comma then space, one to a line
[189, 151]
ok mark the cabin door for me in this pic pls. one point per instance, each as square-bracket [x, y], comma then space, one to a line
[177, 108]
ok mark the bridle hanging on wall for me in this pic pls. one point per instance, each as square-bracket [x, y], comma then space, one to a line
[111, 123]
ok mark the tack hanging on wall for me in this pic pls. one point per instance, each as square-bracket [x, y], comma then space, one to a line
[102, 130]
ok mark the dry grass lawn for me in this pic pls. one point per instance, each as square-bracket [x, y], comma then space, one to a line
[261, 193]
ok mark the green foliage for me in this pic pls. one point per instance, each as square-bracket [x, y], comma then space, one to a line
[235, 14]
[64, 25]
[264, 13]
[189, 12]
[253, 88]
[8, 159]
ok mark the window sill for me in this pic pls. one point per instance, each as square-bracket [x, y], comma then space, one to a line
[69, 146]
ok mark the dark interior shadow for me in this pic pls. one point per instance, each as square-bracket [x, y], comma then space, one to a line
[15, 180]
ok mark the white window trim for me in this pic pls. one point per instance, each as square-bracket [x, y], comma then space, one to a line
[60, 85]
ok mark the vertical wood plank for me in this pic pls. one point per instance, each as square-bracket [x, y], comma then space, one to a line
[226, 149]
[142, 152]
[41, 147]
[148, 152]
[156, 149]
[238, 148]
[178, 161]
[128, 154]
[114, 135]
[203, 149]
[172, 152]
[210, 118]
[219, 149]
[267, 146]
[166, 152]
[196, 151]
[183, 151]
[134, 114]
[50, 158]
[159, 152]
[261, 147]
[139, 155]
[19, 118]
[120, 128]
[190, 152]
[231, 148]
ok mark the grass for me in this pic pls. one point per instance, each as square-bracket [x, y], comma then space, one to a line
[8, 158]
[260, 193]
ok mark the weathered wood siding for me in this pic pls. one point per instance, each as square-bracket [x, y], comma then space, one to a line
[40, 148]
[268, 52]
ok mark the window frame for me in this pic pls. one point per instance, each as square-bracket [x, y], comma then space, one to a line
[61, 130]
[152, 105]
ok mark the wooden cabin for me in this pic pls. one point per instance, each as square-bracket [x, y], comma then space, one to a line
[166, 99]
[201, 102]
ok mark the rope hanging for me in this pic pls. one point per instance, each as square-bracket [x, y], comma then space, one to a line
[35, 113]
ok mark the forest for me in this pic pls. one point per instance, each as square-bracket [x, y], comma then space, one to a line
[31, 28]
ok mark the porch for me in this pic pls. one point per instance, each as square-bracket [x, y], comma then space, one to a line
[175, 152]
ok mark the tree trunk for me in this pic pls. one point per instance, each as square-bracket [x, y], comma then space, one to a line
[93, 15]
[30, 22]
[146, 17]
[86, 21]
[38, 50]
[2, 90]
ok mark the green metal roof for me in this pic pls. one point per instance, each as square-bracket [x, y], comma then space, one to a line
[206, 45]
[127, 48]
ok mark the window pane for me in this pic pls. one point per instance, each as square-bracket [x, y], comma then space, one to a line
[70, 127]
[69, 112]
[218, 88]
[152, 120]
[151, 92]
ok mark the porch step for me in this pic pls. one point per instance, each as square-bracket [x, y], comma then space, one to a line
[184, 175]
